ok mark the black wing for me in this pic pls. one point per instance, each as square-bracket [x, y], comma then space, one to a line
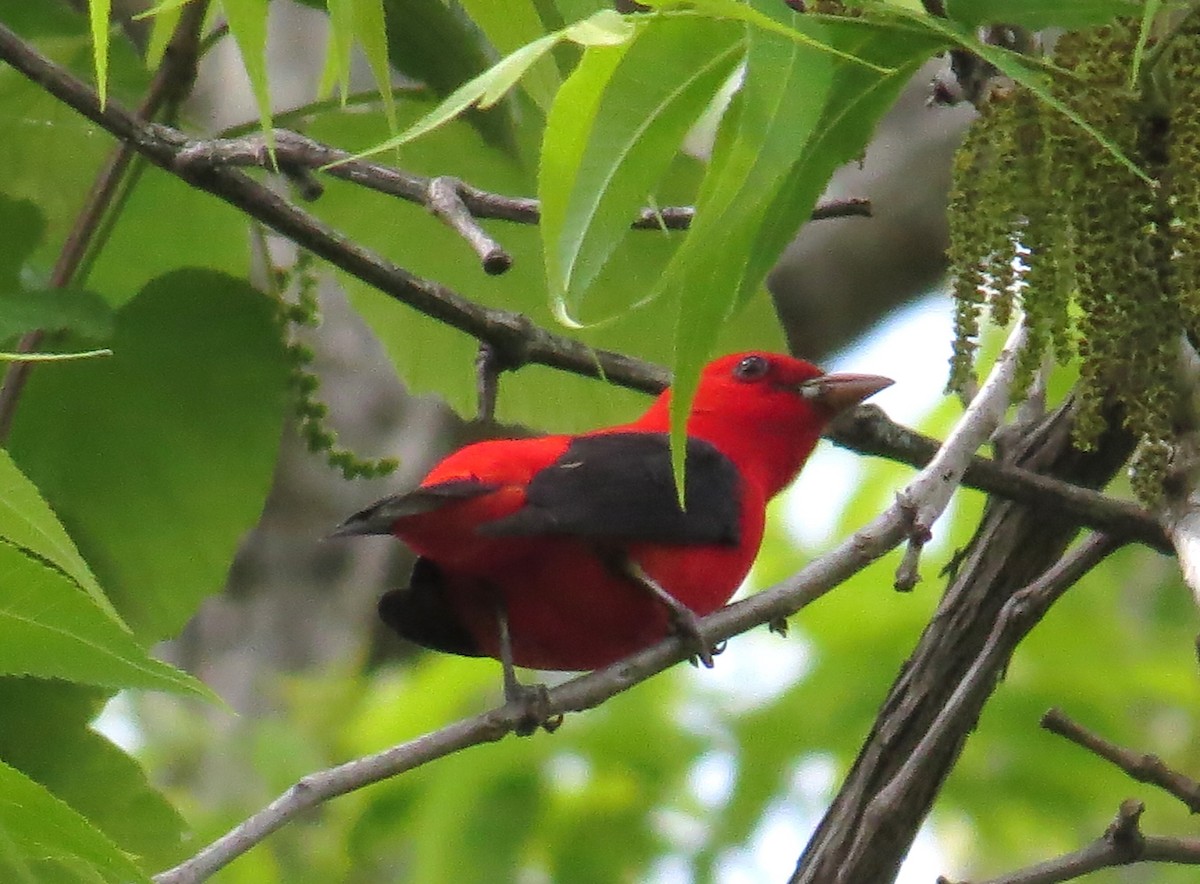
[380, 516]
[421, 613]
[620, 486]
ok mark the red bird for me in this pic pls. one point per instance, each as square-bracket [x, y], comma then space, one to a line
[570, 552]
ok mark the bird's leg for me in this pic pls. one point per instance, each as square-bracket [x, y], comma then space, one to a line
[684, 621]
[534, 699]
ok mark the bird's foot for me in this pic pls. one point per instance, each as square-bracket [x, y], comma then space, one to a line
[534, 702]
[779, 626]
[686, 625]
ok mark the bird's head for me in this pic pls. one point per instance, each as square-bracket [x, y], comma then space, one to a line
[767, 410]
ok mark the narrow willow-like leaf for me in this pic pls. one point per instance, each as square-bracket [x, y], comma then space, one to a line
[247, 21]
[1038, 14]
[604, 28]
[509, 26]
[734, 10]
[161, 29]
[1149, 12]
[610, 161]
[98, 13]
[790, 137]
[341, 47]
[371, 29]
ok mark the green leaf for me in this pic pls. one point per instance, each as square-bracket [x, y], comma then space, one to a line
[247, 20]
[51, 153]
[371, 29]
[736, 10]
[77, 310]
[1038, 14]
[47, 831]
[98, 12]
[431, 41]
[49, 629]
[45, 734]
[801, 115]
[23, 226]
[603, 29]
[1149, 14]
[159, 459]
[341, 45]
[165, 225]
[511, 25]
[615, 126]
[27, 522]
[165, 17]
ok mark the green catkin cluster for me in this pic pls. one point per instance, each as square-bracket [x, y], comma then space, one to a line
[981, 247]
[1113, 263]
[310, 411]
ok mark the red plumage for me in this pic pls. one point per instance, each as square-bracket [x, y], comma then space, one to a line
[554, 531]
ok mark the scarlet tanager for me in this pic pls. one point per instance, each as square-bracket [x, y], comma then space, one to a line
[570, 552]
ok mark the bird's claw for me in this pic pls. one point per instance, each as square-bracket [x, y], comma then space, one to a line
[779, 626]
[534, 703]
[686, 625]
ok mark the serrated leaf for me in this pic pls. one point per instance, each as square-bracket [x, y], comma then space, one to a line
[247, 20]
[50, 629]
[27, 522]
[159, 459]
[614, 128]
[1038, 14]
[47, 830]
[602, 29]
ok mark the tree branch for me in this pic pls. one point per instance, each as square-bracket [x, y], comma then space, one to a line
[294, 151]
[926, 501]
[512, 336]
[869, 828]
[1121, 844]
[1141, 766]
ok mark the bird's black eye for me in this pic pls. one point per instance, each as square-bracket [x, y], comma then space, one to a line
[751, 368]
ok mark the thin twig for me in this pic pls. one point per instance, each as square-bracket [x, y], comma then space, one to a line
[300, 151]
[926, 501]
[444, 199]
[1121, 844]
[1141, 766]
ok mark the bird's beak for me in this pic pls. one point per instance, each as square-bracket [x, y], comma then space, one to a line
[837, 392]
